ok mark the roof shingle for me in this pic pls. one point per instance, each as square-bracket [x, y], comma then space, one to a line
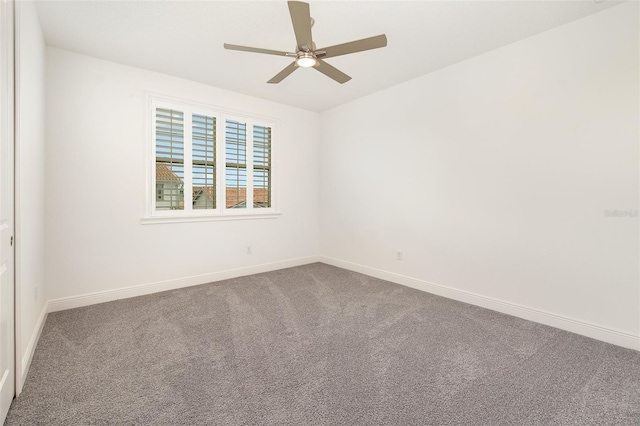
[165, 174]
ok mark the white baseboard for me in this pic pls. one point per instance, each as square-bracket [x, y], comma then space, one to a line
[31, 347]
[143, 289]
[605, 334]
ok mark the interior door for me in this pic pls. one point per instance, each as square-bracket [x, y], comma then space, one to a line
[7, 343]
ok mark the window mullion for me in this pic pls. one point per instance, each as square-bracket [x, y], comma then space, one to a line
[216, 160]
[221, 196]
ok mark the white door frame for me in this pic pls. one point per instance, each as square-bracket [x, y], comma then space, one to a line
[19, 376]
[7, 84]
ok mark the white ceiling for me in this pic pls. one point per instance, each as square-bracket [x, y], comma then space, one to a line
[185, 38]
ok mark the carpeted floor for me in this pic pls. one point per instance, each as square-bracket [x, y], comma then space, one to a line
[318, 345]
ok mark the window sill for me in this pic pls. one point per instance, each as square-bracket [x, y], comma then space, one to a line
[212, 218]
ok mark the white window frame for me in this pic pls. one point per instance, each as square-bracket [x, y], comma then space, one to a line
[220, 212]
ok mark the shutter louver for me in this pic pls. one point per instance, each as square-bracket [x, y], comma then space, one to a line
[169, 159]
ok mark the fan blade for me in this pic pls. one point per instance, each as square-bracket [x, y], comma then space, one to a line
[283, 74]
[257, 50]
[301, 19]
[355, 46]
[332, 72]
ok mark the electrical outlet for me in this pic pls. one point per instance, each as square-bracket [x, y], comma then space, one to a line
[399, 255]
[248, 249]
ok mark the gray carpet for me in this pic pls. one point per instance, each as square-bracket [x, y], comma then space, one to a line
[318, 345]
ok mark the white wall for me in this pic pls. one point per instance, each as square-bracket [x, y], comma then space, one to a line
[95, 170]
[493, 175]
[30, 185]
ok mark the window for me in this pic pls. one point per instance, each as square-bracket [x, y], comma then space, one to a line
[261, 166]
[169, 141]
[204, 162]
[236, 164]
[207, 163]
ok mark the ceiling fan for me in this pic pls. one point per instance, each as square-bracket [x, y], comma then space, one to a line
[306, 54]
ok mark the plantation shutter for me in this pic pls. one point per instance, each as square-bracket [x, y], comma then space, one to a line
[261, 166]
[169, 140]
[203, 137]
[236, 164]
[207, 162]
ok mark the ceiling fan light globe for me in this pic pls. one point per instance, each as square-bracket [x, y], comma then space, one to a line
[306, 61]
